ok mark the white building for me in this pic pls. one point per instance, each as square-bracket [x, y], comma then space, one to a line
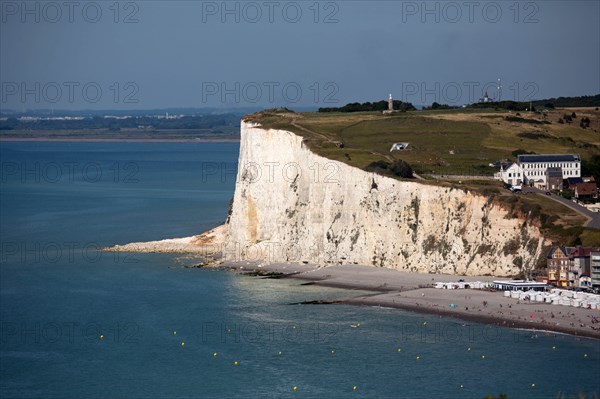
[510, 173]
[534, 166]
[595, 270]
[519, 285]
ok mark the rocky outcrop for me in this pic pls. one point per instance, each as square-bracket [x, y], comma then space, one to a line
[208, 243]
[291, 205]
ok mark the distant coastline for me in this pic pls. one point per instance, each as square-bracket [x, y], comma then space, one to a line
[121, 140]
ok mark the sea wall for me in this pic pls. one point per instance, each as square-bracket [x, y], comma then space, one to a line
[291, 205]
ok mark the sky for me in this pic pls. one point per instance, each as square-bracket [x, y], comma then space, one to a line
[228, 54]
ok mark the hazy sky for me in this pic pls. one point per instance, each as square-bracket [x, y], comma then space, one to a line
[157, 54]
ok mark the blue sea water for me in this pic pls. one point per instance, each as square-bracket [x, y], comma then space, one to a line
[60, 202]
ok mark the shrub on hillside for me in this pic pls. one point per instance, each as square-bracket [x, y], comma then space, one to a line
[397, 168]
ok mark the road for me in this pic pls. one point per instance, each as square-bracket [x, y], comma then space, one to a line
[593, 217]
[460, 177]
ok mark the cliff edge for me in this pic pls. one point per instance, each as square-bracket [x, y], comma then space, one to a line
[291, 205]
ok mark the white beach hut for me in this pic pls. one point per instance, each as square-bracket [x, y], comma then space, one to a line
[539, 297]
[569, 294]
[564, 301]
[523, 295]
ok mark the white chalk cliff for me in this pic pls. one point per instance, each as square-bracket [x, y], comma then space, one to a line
[291, 205]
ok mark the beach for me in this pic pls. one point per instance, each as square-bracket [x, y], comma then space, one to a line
[415, 292]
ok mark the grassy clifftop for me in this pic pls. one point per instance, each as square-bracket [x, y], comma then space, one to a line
[441, 142]
[455, 142]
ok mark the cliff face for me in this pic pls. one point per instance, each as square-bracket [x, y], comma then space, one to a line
[291, 205]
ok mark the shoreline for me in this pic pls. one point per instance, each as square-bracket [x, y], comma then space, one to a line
[413, 292]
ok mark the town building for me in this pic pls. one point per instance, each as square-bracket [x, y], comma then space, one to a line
[585, 281]
[535, 166]
[519, 285]
[558, 265]
[510, 173]
[554, 179]
[572, 267]
[586, 191]
[580, 267]
[571, 182]
[595, 269]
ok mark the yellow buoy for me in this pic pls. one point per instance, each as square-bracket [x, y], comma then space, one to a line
[418, 357]
[399, 349]
[215, 354]
[183, 344]
[102, 337]
[279, 353]
[533, 385]
[424, 323]
[483, 356]
[468, 349]
[174, 332]
[585, 355]
[354, 388]
[554, 348]
[358, 325]
[295, 388]
[235, 363]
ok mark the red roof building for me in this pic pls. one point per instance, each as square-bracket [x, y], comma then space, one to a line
[588, 190]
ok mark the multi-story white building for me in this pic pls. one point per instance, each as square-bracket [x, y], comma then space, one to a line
[534, 166]
[595, 269]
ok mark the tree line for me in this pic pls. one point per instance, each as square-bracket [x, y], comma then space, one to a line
[371, 106]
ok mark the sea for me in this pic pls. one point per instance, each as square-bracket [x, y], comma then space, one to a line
[77, 322]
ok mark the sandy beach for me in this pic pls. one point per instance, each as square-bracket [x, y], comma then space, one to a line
[414, 292]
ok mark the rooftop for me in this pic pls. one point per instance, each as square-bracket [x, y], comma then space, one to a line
[581, 251]
[506, 166]
[586, 188]
[550, 158]
[520, 283]
[565, 250]
[573, 252]
[554, 172]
